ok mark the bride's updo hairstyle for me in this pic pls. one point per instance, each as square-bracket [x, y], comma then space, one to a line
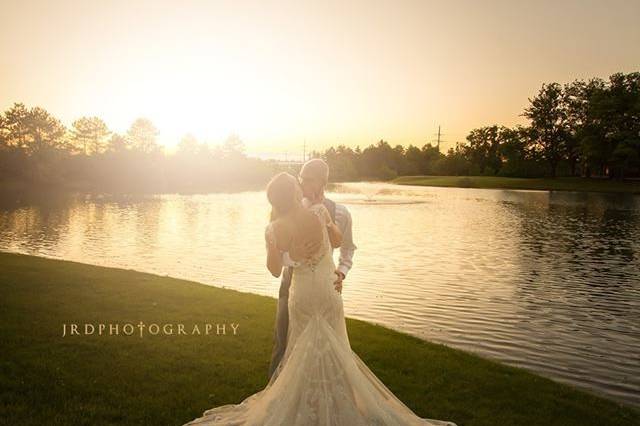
[281, 192]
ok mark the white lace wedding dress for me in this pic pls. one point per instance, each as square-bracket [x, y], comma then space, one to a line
[320, 380]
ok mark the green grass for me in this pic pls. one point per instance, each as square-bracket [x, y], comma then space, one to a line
[168, 380]
[496, 182]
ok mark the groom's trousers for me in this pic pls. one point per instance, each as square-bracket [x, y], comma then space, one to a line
[282, 321]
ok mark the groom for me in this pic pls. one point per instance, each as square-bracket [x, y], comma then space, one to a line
[313, 178]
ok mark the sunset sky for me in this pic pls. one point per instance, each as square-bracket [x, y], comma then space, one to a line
[277, 73]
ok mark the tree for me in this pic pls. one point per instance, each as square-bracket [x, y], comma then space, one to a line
[142, 136]
[483, 148]
[4, 133]
[90, 134]
[341, 163]
[413, 159]
[575, 97]
[586, 123]
[455, 162]
[620, 110]
[548, 115]
[609, 134]
[515, 151]
[188, 145]
[14, 126]
[233, 147]
[43, 131]
[117, 143]
[432, 157]
[377, 161]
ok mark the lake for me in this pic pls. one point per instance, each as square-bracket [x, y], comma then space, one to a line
[548, 281]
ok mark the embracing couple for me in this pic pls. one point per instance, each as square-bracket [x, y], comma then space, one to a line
[314, 377]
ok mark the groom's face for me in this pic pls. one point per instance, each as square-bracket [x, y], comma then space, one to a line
[311, 185]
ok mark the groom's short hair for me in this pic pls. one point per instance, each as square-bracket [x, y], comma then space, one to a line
[318, 168]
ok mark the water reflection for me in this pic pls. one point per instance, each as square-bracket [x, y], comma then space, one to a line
[545, 280]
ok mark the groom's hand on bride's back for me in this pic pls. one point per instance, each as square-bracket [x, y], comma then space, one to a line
[303, 250]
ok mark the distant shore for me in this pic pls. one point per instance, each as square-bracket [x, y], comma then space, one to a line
[170, 379]
[15, 191]
[495, 182]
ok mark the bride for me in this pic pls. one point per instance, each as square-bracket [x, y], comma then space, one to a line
[320, 380]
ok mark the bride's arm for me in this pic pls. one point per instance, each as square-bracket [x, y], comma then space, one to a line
[274, 255]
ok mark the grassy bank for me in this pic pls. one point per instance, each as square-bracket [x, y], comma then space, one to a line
[170, 379]
[494, 182]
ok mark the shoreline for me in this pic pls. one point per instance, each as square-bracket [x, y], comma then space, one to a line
[433, 379]
[577, 184]
[19, 190]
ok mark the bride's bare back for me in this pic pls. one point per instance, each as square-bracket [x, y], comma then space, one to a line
[298, 229]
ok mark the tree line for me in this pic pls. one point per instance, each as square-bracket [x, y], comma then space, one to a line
[38, 150]
[584, 128]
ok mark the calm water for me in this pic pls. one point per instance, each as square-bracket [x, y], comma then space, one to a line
[545, 281]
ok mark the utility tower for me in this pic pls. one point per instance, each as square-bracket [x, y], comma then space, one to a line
[438, 140]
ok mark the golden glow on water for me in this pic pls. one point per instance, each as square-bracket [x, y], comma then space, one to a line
[544, 280]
